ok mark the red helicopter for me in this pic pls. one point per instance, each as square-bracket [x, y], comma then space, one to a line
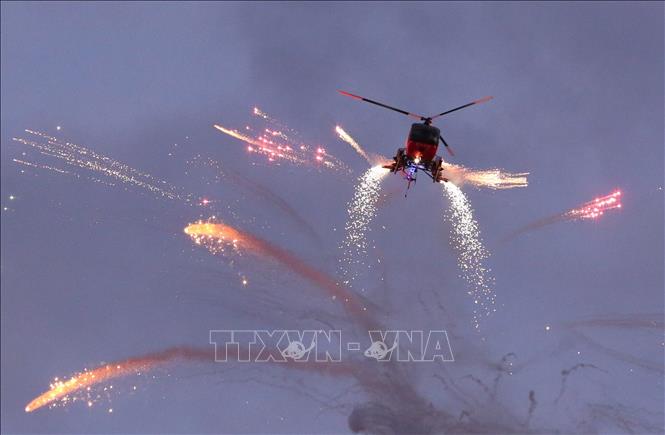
[421, 144]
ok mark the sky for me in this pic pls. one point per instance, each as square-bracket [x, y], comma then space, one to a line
[94, 273]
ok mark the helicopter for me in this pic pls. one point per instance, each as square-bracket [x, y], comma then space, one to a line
[421, 144]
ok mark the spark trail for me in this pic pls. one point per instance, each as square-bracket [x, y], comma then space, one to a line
[80, 157]
[484, 178]
[217, 237]
[471, 253]
[63, 390]
[355, 145]
[282, 144]
[361, 211]
[590, 210]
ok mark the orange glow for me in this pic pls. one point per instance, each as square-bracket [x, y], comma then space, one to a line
[215, 236]
[61, 390]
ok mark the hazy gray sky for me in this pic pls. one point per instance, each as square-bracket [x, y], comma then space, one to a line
[93, 273]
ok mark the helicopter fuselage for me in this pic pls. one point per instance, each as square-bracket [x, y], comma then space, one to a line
[422, 143]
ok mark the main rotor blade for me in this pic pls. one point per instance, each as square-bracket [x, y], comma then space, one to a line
[482, 100]
[404, 112]
[450, 150]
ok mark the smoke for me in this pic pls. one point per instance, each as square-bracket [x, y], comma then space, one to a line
[215, 234]
[267, 195]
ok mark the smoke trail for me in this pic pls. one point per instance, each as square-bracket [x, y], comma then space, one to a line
[486, 178]
[565, 373]
[590, 210]
[214, 236]
[632, 321]
[471, 253]
[264, 193]
[361, 211]
[62, 390]
[645, 321]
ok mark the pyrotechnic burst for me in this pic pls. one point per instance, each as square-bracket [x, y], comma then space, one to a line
[484, 178]
[591, 210]
[360, 211]
[351, 141]
[80, 157]
[65, 391]
[596, 207]
[471, 253]
[282, 144]
[215, 237]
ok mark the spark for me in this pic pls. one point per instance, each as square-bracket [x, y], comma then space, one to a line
[351, 141]
[282, 144]
[78, 156]
[58, 128]
[360, 211]
[590, 210]
[484, 178]
[39, 166]
[371, 158]
[471, 253]
[595, 208]
[62, 390]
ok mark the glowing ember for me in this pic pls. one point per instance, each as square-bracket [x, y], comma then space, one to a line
[215, 237]
[283, 144]
[597, 207]
[62, 391]
[591, 210]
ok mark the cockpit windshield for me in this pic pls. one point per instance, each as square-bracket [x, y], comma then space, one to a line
[424, 134]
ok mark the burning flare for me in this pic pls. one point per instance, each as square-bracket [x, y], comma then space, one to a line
[484, 178]
[61, 390]
[351, 141]
[591, 210]
[595, 208]
[279, 143]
